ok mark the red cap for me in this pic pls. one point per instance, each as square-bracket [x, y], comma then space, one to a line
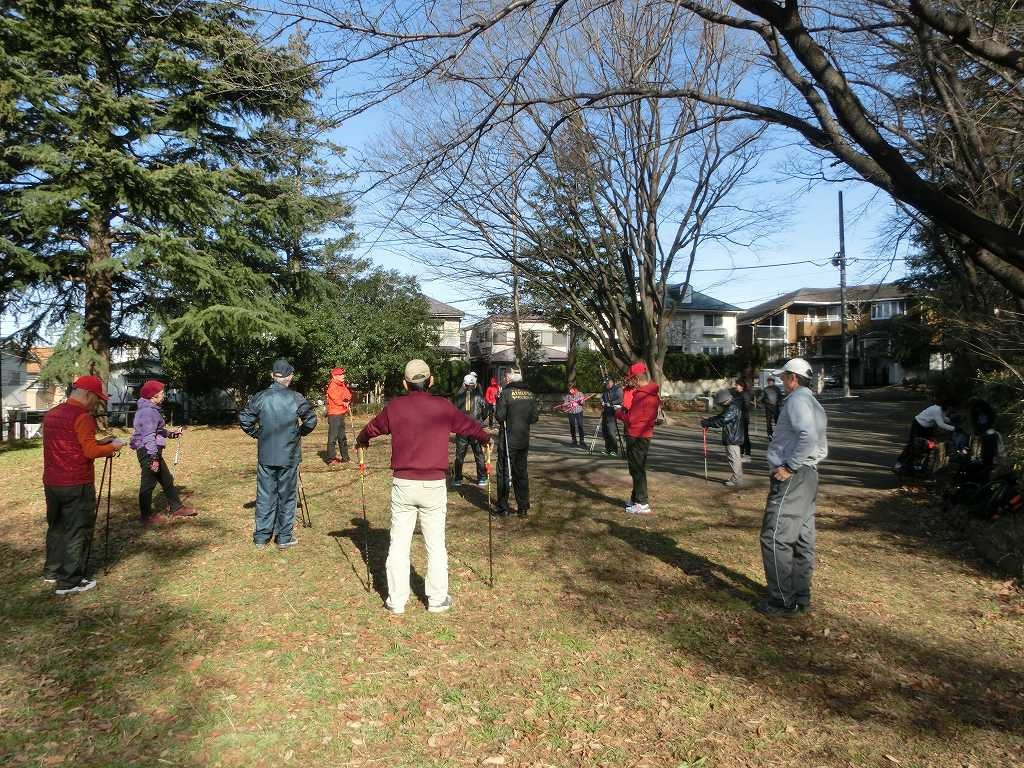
[91, 384]
[151, 388]
[337, 372]
[638, 369]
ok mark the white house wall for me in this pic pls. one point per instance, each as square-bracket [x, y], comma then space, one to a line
[687, 331]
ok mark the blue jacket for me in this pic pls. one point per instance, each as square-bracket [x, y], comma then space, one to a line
[278, 417]
[730, 420]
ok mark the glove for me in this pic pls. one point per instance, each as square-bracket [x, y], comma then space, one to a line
[154, 465]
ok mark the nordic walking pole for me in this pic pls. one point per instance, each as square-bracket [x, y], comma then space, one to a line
[593, 440]
[704, 430]
[361, 455]
[99, 500]
[177, 446]
[106, 526]
[490, 522]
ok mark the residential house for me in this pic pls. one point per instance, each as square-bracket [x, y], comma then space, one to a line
[448, 321]
[492, 341]
[700, 324]
[807, 322]
[19, 380]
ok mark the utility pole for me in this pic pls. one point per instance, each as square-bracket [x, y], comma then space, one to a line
[840, 261]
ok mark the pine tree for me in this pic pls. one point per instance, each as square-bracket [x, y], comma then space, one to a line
[133, 182]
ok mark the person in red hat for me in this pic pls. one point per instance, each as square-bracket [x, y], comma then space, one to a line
[339, 402]
[639, 416]
[69, 483]
[148, 441]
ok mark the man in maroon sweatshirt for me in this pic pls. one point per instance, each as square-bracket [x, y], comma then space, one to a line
[419, 425]
[639, 416]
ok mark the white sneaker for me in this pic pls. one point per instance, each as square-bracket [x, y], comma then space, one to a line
[398, 611]
[443, 606]
[630, 508]
[83, 586]
[640, 509]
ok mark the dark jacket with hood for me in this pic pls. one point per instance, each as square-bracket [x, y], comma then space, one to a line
[730, 421]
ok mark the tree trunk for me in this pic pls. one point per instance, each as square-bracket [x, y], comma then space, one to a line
[99, 298]
[570, 360]
[517, 337]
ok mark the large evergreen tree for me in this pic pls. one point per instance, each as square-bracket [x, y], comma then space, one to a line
[133, 167]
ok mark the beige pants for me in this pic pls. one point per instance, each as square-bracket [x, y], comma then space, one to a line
[427, 500]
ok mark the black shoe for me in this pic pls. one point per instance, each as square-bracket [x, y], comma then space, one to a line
[768, 608]
[500, 512]
[456, 483]
[522, 512]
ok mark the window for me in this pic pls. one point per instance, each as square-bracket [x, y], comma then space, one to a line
[715, 351]
[672, 348]
[883, 310]
[500, 337]
[713, 321]
[559, 340]
[827, 314]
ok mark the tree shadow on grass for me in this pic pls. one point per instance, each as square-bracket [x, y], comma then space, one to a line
[859, 669]
[79, 671]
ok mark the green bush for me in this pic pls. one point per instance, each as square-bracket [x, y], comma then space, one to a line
[588, 370]
[682, 366]
[542, 378]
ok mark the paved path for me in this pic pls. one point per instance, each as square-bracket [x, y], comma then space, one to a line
[865, 434]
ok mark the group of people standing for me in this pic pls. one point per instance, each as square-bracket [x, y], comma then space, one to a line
[420, 424]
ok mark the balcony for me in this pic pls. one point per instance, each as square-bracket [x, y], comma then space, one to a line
[715, 330]
[816, 328]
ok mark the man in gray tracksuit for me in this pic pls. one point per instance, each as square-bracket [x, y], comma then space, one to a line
[787, 532]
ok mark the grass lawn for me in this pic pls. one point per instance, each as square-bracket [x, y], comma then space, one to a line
[606, 641]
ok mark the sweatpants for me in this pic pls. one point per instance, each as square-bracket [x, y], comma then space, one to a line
[732, 452]
[576, 427]
[148, 483]
[520, 477]
[70, 519]
[636, 456]
[787, 537]
[275, 503]
[336, 436]
[461, 444]
[426, 500]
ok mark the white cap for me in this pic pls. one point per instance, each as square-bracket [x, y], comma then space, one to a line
[469, 378]
[799, 366]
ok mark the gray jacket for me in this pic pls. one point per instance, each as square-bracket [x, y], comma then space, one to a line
[277, 417]
[799, 438]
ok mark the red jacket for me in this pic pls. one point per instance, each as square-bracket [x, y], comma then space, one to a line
[69, 445]
[491, 393]
[339, 396]
[419, 425]
[642, 411]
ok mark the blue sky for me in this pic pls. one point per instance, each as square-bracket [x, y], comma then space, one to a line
[810, 235]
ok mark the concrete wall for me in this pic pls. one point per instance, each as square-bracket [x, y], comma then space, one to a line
[688, 390]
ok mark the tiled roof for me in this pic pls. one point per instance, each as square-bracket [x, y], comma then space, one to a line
[699, 302]
[440, 309]
[854, 295]
[37, 357]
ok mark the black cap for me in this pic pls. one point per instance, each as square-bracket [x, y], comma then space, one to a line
[282, 368]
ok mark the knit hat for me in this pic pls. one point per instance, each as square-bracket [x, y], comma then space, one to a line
[151, 388]
[91, 384]
[337, 372]
[723, 397]
[416, 371]
[638, 369]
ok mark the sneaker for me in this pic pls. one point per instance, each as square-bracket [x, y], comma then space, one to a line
[482, 482]
[522, 512]
[398, 611]
[640, 509]
[158, 519]
[745, 459]
[456, 483]
[83, 586]
[500, 513]
[441, 607]
[730, 484]
[49, 579]
[261, 544]
[184, 512]
[768, 608]
[630, 507]
[335, 463]
[287, 544]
